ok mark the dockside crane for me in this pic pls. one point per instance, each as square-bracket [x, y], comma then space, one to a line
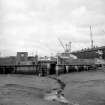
[61, 44]
[67, 47]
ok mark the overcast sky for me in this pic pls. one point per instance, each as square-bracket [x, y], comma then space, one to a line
[35, 25]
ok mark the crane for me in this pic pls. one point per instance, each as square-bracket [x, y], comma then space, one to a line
[67, 47]
[62, 44]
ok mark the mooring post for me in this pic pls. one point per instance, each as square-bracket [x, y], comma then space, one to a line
[57, 70]
[67, 68]
[48, 68]
[76, 68]
[4, 69]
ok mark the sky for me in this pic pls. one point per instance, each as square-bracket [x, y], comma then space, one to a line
[35, 25]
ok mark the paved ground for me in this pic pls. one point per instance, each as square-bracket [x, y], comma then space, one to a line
[85, 88]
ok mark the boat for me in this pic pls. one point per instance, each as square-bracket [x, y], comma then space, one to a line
[92, 53]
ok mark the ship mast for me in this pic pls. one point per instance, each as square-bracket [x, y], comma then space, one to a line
[91, 37]
[70, 47]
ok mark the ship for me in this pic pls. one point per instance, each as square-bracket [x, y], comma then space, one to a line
[84, 57]
[92, 53]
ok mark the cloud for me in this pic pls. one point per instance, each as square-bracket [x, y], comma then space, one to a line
[36, 24]
[78, 12]
[13, 5]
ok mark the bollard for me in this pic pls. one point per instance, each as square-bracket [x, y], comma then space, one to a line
[67, 69]
[57, 70]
